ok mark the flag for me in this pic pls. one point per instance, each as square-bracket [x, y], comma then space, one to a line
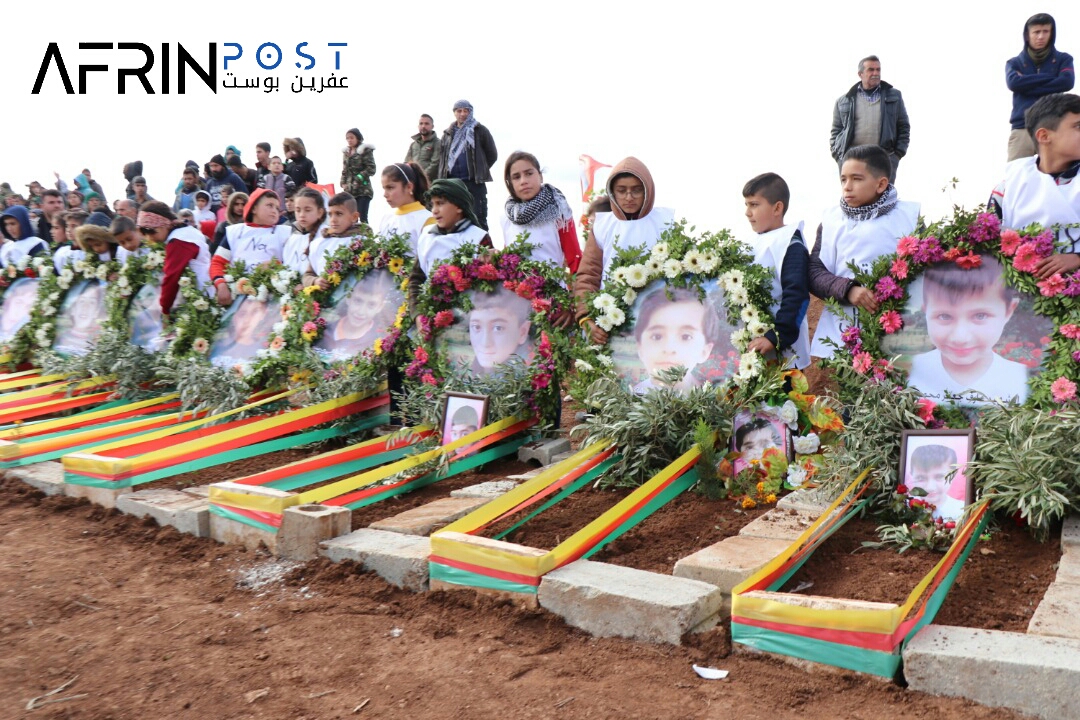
[589, 166]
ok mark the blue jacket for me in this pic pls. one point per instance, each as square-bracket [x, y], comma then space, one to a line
[26, 228]
[1029, 81]
[213, 186]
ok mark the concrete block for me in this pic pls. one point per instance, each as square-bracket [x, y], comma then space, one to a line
[401, 560]
[562, 456]
[612, 601]
[486, 490]
[1069, 566]
[199, 491]
[427, 518]
[303, 527]
[730, 561]
[1035, 675]
[106, 497]
[1070, 532]
[526, 475]
[543, 451]
[780, 524]
[810, 500]
[182, 511]
[523, 600]
[228, 531]
[48, 477]
[1059, 613]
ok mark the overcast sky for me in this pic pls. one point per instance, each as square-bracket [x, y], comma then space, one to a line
[707, 99]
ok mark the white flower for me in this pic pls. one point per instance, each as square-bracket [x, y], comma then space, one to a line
[102, 272]
[617, 316]
[709, 262]
[263, 294]
[53, 297]
[583, 366]
[749, 314]
[79, 266]
[672, 268]
[604, 321]
[263, 353]
[201, 304]
[740, 338]
[48, 310]
[23, 262]
[125, 292]
[654, 266]
[279, 327]
[660, 251]
[67, 273]
[636, 276]
[605, 360]
[603, 302]
[732, 279]
[693, 262]
[46, 270]
[796, 475]
[757, 328]
[39, 262]
[789, 414]
[739, 296]
[629, 296]
[184, 282]
[63, 282]
[41, 337]
[807, 444]
[618, 275]
[749, 364]
[123, 281]
[229, 278]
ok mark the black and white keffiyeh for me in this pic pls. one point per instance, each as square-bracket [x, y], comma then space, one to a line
[880, 207]
[549, 206]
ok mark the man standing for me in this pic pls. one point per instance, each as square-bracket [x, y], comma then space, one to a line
[138, 186]
[424, 150]
[127, 208]
[467, 152]
[871, 113]
[262, 160]
[52, 204]
[1040, 69]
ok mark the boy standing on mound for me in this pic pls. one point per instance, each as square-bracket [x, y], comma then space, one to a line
[781, 248]
[868, 223]
[1043, 189]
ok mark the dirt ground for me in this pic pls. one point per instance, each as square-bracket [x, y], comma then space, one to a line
[144, 622]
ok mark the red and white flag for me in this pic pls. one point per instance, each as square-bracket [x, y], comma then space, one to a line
[589, 166]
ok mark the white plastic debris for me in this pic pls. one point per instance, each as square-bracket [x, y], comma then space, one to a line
[710, 673]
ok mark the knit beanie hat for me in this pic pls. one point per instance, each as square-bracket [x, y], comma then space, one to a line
[233, 148]
[219, 159]
[455, 191]
[359, 135]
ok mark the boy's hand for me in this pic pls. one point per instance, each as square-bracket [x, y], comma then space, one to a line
[596, 333]
[564, 319]
[224, 297]
[323, 284]
[862, 298]
[1057, 263]
[761, 345]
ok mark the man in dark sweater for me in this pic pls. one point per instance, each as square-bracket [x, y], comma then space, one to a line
[1039, 70]
[467, 152]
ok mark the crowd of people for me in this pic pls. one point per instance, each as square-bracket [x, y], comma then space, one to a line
[225, 211]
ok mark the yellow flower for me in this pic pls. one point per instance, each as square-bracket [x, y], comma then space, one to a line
[311, 289]
[335, 279]
[299, 377]
[748, 502]
[395, 265]
[770, 498]
[761, 487]
[405, 284]
[364, 259]
[311, 335]
[378, 346]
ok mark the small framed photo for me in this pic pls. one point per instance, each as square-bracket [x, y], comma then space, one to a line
[754, 433]
[936, 461]
[462, 415]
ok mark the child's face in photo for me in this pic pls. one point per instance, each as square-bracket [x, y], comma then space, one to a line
[340, 219]
[757, 442]
[674, 336]
[446, 213]
[363, 307]
[459, 431]
[495, 333]
[932, 480]
[965, 331]
[763, 215]
[858, 185]
[629, 193]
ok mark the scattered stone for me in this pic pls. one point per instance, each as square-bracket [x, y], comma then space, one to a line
[1031, 674]
[256, 695]
[613, 601]
[730, 561]
[399, 559]
[427, 518]
[48, 477]
[487, 490]
[543, 451]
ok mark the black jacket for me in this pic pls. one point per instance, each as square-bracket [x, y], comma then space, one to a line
[895, 127]
[482, 156]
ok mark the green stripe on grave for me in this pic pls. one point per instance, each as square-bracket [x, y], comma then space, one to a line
[456, 576]
[229, 514]
[822, 651]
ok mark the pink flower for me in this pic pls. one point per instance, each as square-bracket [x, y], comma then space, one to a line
[925, 408]
[906, 246]
[315, 307]
[1027, 258]
[969, 261]
[862, 362]
[1010, 241]
[1063, 390]
[544, 348]
[986, 227]
[444, 318]
[891, 322]
[887, 288]
[487, 271]
[428, 379]
[277, 343]
[1070, 331]
[899, 269]
[1076, 356]
[541, 381]
[541, 304]
[1051, 286]
[881, 368]
[309, 327]
[200, 346]
[420, 354]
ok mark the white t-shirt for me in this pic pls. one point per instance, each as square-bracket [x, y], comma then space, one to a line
[1003, 380]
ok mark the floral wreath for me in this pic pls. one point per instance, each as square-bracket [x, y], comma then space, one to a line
[536, 386]
[40, 330]
[290, 358]
[963, 239]
[682, 261]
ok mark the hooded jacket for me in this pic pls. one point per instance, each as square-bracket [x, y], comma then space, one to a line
[590, 272]
[225, 177]
[300, 169]
[132, 170]
[1029, 81]
[357, 170]
[27, 244]
[895, 126]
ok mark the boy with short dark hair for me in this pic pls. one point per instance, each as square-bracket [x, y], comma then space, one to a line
[277, 180]
[342, 225]
[868, 223]
[456, 224]
[1043, 189]
[782, 249]
[929, 470]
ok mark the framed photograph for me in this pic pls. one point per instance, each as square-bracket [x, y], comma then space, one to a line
[81, 315]
[18, 302]
[754, 433]
[462, 415]
[145, 318]
[360, 312]
[936, 461]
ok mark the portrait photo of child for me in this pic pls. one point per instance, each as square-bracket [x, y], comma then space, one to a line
[463, 415]
[244, 331]
[145, 318]
[18, 302]
[935, 462]
[754, 433]
[966, 331]
[670, 328]
[78, 323]
[496, 329]
[360, 312]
